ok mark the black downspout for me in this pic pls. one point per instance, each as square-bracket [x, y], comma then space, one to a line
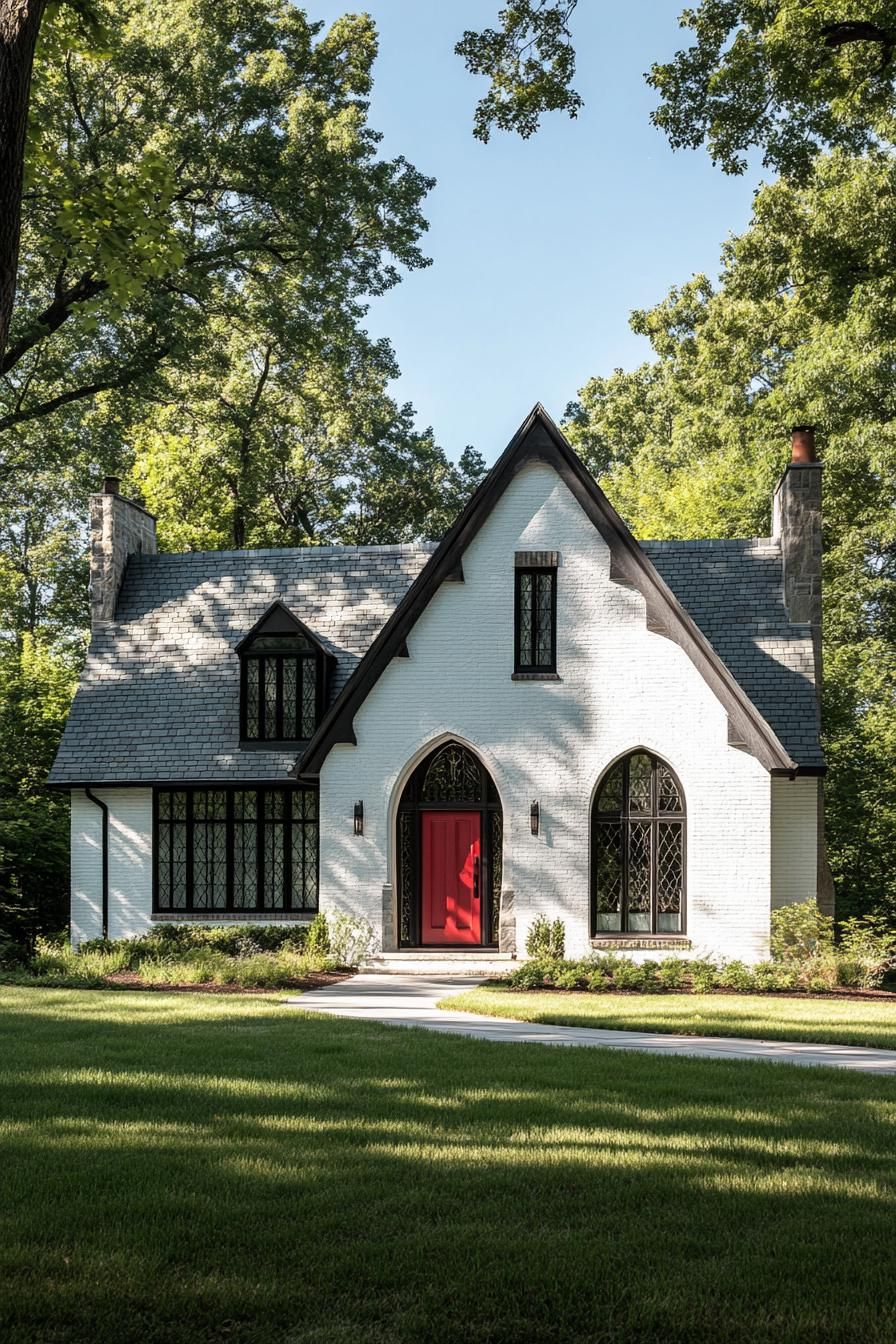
[104, 808]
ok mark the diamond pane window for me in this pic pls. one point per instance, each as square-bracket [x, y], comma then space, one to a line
[536, 620]
[638, 849]
[241, 849]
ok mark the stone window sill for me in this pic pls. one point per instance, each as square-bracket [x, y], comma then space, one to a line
[653, 942]
[232, 916]
[535, 676]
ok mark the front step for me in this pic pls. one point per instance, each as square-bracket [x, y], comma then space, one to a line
[413, 962]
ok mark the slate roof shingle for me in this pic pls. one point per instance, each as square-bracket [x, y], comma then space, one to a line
[159, 700]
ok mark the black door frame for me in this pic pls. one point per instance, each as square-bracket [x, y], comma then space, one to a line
[409, 844]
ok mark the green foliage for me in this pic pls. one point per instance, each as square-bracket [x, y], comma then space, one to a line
[787, 76]
[800, 930]
[799, 329]
[317, 941]
[736, 975]
[350, 939]
[546, 939]
[529, 61]
[704, 975]
[250, 957]
[672, 972]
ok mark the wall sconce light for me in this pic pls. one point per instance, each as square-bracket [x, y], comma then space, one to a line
[533, 818]
[359, 818]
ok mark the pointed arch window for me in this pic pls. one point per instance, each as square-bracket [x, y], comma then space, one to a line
[638, 849]
[284, 672]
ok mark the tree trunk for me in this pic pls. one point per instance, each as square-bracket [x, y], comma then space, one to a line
[19, 26]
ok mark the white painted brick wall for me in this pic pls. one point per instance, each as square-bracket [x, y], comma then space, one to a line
[130, 863]
[794, 840]
[621, 687]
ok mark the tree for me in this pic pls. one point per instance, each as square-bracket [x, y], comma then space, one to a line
[20, 22]
[257, 448]
[788, 77]
[530, 62]
[212, 145]
[795, 330]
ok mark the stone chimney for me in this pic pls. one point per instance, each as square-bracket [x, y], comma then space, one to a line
[118, 528]
[796, 524]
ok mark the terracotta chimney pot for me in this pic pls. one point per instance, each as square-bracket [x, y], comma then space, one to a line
[802, 444]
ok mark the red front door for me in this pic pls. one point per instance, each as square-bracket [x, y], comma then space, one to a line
[452, 883]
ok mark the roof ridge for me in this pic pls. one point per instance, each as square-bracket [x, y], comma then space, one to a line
[402, 547]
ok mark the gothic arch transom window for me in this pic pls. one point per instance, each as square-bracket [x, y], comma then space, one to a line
[638, 849]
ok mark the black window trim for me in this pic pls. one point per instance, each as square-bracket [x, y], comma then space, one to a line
[258, 911]
[625, 816]
[279, 621]
[521, 669]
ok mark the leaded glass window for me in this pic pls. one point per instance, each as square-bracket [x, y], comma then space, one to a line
[637, 860]
[281, 688]
[536, 620]
[236, 849]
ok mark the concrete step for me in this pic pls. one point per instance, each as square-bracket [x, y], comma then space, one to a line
[434, 963]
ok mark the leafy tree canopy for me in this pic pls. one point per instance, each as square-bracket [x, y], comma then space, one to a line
[691, 444]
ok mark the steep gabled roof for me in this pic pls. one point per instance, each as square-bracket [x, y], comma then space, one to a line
[539, 440]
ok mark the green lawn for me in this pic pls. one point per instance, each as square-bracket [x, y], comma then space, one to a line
[838, 1021]
[187, 1168]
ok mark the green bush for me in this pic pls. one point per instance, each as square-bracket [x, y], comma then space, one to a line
[317, 943]
[351, 939]
[736, 975]
[866, 951]
[534, 974]
[627, 974]
[704, 974]
[672, 972]
[799, 931]
[546, 939]
[597, 982]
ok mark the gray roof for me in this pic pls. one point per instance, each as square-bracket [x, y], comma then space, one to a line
[159, 700]
[733, 590]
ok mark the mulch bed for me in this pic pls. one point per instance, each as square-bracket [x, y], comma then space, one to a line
[880, 995]
[314, 980]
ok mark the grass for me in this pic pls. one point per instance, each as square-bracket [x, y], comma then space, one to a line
[186, 1169]
[772, 1017]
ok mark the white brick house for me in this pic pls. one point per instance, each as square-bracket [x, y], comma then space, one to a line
[538, 716]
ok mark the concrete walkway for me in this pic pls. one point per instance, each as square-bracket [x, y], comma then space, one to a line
[410, 1001]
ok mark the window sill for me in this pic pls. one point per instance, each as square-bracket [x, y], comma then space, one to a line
[535, 676]
[232, 916]
[649, 943]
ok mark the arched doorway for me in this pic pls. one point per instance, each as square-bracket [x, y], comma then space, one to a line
[449, 853]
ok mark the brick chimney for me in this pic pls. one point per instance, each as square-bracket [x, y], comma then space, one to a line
[118, 528]
[796, 524]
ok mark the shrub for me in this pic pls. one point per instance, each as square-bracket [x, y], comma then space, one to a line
[799, 931]
[568, 976]
[627, 974]
[650, 981]
[704, 974]
[534, 974]
[737, 975]
[597, 982]
[866, 951]
[351, 939]
[776, 975]
[671, 972]
[317, 941]
[546, 939]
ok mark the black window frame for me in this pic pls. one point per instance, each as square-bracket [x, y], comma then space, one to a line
[305, 655]
[533, 572]
[294, 815]
[654, 817]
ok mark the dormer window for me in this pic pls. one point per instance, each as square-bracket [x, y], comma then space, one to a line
[284, 671]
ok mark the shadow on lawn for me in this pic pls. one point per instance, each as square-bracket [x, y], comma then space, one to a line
[233, 1172]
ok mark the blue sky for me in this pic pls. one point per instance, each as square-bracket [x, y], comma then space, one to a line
[542, 247]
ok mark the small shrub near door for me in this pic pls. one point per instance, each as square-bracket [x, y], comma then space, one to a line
[546, 939]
